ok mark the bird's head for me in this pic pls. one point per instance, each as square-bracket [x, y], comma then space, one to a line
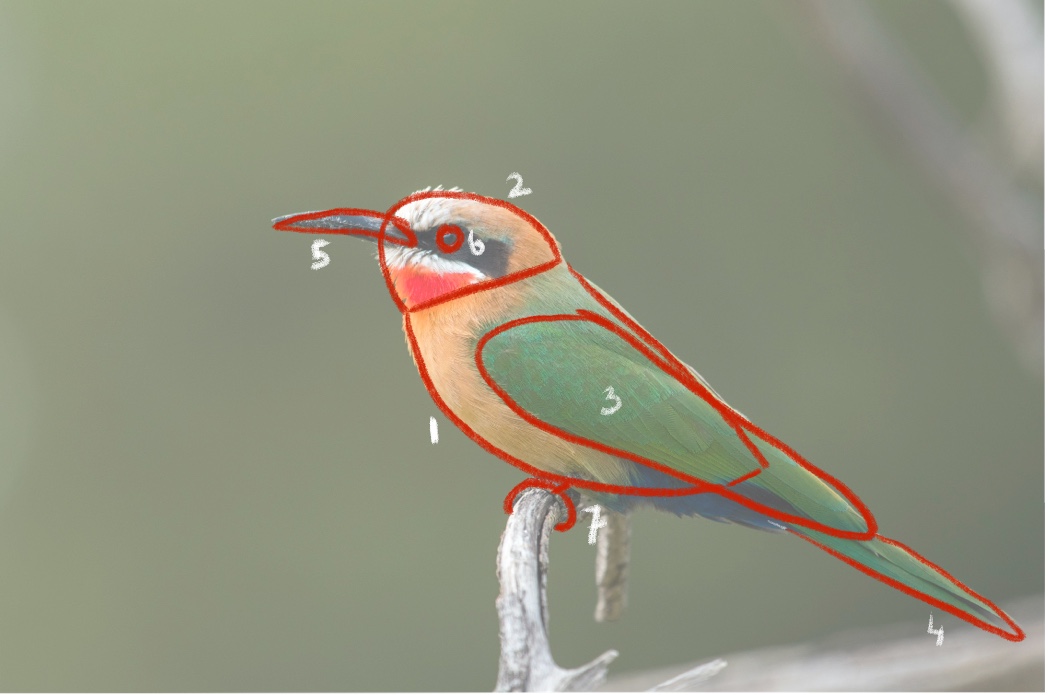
[436, 245]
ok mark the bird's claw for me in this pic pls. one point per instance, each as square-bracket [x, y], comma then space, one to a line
[554, 487]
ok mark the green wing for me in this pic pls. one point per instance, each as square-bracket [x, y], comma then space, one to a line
[579, 378]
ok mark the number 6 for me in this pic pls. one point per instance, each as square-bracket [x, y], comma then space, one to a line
[476, 245]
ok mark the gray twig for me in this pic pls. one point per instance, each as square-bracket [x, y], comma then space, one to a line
[525, 662]
[691, 678]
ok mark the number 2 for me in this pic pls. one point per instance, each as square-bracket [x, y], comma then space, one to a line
[519, 189]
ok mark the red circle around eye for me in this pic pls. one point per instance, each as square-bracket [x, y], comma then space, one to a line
[456, 234]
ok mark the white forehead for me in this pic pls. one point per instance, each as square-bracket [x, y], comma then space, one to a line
[429, 212]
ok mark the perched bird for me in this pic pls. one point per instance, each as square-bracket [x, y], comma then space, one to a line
[546, 371]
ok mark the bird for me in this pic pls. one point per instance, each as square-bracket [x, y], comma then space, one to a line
[545, 370]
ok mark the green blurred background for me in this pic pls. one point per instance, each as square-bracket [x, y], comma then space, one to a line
[215, 466]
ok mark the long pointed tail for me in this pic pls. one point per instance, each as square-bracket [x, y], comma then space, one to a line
[900, 567]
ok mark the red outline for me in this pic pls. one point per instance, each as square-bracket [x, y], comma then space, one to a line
[643, 341]
[288, 225]
[1019, 636]
[455, 231]
[554, 487]
[697, 484]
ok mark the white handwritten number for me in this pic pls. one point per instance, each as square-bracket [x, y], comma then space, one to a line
[433, 430]
[938, 633]
[596, 522]
[476, 245]
[611, 396]
[519, 189]
[322, 258]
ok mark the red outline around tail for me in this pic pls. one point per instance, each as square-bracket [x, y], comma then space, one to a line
[1018, 636]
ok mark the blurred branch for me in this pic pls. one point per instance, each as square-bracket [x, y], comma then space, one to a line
[1009, 36]
[1005, 219]
[612, 566]
[900, 657]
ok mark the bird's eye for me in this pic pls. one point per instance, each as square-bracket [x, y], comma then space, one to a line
[449, 238]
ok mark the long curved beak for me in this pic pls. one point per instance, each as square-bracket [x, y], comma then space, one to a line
[363, 224]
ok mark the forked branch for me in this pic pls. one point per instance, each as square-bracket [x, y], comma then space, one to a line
[525, 661]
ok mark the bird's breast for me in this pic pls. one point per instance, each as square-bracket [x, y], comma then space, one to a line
[443, 340]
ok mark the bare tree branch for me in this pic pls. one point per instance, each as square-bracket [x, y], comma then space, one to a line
[525, 663]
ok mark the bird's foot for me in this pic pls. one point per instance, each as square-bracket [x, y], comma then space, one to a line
[555, 487]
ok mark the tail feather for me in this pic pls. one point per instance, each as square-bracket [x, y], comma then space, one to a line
[900, 567]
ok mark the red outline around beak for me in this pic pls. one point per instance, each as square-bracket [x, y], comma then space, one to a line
[356, 222]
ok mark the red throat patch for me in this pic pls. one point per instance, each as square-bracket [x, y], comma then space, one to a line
[416, 284]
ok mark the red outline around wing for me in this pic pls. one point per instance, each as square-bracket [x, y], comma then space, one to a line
[697, 485]
[677, 368]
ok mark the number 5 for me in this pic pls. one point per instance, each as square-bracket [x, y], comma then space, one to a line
[322, 258]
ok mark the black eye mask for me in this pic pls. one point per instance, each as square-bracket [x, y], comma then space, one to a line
[492, 261]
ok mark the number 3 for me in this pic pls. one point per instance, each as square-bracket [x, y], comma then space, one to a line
[321, 258]
[611, 396]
